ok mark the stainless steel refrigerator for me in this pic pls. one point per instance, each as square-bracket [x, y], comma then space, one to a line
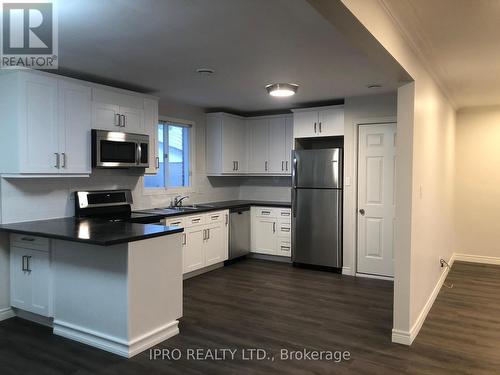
[317, 207]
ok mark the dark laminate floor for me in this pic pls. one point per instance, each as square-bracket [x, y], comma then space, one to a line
[258, 304]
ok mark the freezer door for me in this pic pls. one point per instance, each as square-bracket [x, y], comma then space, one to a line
[317, 227]
[318, 168]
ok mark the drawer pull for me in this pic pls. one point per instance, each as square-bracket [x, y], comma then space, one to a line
[28, 239]
[285, 248]
[215, 217]
[184, 239]
[265, 212]
[283, 229]
[176, 224]
[195, 220]
[285, 214]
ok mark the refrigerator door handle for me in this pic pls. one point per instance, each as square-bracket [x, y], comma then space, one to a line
[294, 186]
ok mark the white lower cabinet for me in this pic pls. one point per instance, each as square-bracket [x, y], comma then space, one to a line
[205, 239]
[30, 276]
[271, 231]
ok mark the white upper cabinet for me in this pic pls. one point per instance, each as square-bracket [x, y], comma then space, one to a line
[75, 108]
[258, 144]
[226, 144]
[47, 120]
[318, 122]
[113, 110]
[280, 144]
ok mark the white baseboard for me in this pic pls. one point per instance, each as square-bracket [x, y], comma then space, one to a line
[477, 259]
[116, 345]
[6, 313]
[347, 271]
[369, 276]
[405, 337]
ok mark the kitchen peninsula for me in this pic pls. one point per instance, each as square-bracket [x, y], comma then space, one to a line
[86, 276]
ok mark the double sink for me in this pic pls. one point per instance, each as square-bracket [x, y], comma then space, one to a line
[188, 208]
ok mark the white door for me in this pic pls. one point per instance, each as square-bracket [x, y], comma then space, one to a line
[215, 244]
[264, 235]
[75, 109]
[132, 120]
[376, 203]
[41, 139]
[277, 145]
[106, 117]
[305, 124]
[258, 130]
[331, 122]
[194, 249]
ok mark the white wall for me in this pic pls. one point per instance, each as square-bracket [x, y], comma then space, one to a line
[424, 176]
[360, 109]
[477, 198]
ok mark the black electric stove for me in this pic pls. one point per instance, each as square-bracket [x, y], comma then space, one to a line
[111, 205]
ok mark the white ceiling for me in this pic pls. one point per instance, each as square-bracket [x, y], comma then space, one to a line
[158, 45]
[459, 41]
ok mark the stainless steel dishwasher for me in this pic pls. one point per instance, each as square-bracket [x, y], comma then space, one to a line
[239, 232]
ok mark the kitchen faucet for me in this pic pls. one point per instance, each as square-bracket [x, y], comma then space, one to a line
[178, 200]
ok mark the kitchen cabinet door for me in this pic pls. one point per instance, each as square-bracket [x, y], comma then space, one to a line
[234, 147]
[289, 145]
[106, 117]
[132, 120]
[20, 281]
[259, 142]
[194, 249]
[40, 133]
[30, 288]
[277, 145]
[264, 237]
[151, 129]
[305, 124]
[216, 247]
[75, 109]
[331, 122]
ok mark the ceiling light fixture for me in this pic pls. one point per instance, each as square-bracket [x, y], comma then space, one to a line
[282, 89]
[205, 71]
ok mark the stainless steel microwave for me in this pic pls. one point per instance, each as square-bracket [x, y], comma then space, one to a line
[119, 150]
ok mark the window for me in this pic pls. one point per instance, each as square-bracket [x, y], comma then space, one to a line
[173, 152]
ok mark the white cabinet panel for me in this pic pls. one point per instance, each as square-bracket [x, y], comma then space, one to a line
[259, 141]
[264, 235]
[193, 250]
[319, 122]
[106, 116]
[132, 120]
[331, 122]
[271, 231]
[75, 108]
[30, 280]
[216, 244]
[40, 147]
[151, 129]
[277, 145]
[305, 124]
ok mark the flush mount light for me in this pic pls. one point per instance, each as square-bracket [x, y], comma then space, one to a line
[282, 89]
[205, 71]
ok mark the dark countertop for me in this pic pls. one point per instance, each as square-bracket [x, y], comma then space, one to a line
[216, 206]
[91, 231]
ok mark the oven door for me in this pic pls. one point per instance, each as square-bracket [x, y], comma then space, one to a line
[117, 150]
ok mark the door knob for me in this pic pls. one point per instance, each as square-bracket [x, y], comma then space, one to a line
[362, 212]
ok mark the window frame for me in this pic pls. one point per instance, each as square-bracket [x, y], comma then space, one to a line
[192, 160]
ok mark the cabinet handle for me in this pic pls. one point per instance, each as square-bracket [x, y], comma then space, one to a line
[124, 120]
[23, 262]
[208, 234]
[195, 220]
[285, 229]
[285, 213]
[63, 155]
[157, 162]
[282, 166]
[234, 165]
[320, 127]
[285, 248]
[177, 223]
[118, 119]
[57, 160]
[286, 163]
[265, 166]
[274, 227]
[265, 212]
[227, 219]
[29, 239]
[26, 263]
[237, 165]
[184, 239]
[215, 217]
[205, 237]
[314, 127]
